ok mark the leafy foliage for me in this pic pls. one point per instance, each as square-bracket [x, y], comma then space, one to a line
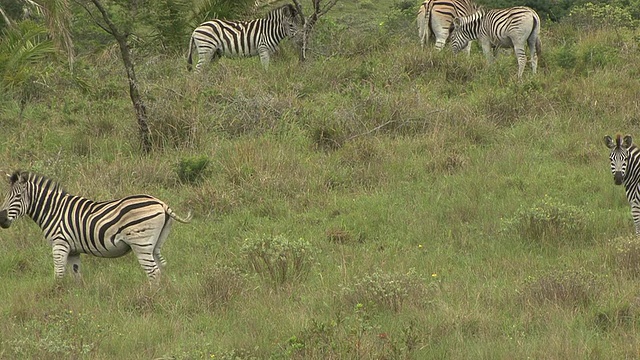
[193, 169]
[279, 259]
[21, 48]
[548, 219]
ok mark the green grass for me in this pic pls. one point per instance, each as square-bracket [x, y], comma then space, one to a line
[448, 210]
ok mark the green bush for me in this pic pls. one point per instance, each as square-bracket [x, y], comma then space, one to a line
[626, 255]
[566, 287]
[386, 290]
[548, 219]
[222, 284]
[279, 259]
[193, 169]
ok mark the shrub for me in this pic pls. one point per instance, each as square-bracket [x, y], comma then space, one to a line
[593, 16]
[547, 219]
[389, 291]
[222, 284]
[626, 255]
[192, 169]
[570, 287]
[278, 259]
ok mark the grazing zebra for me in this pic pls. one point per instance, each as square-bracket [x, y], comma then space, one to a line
[216, 38]
[435, 17]
[513, 27]
[74, 225]
[625, 167]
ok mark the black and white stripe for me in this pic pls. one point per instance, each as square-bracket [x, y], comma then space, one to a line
[216, 38]
[74, 225]
[625, 167]
[435, 18]
[501, 28]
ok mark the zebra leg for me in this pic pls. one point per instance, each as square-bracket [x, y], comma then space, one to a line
[635, 213]
[163, 236]
[533, 53]
[144, 254]
[60, 256]
[467, 49]
[264, 57]
[205, 55]
[487, 49]
[73, 262]
[440, 43]
[522, 60]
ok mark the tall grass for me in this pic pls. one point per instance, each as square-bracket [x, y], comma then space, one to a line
[444, 209]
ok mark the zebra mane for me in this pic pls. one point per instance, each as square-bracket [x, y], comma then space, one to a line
[25, 176]
[288, 10]
[475, 16]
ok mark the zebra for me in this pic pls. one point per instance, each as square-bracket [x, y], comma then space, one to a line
[625, 167]
[74, 225]
[216, 38]
[435, 17]
[511, 27]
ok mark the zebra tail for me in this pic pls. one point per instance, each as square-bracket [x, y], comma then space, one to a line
[538, 47]
[185, 220]
[189, 61]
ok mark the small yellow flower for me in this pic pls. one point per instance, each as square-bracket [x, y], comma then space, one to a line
[434, 275]
[420, 246]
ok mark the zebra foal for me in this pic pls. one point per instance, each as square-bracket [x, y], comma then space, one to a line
[74, 225]
[625, 167]
[435, 18]
[501, 28]
[215, 38]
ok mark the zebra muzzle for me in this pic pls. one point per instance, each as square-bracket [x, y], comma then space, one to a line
[4, 221]
[617, 177]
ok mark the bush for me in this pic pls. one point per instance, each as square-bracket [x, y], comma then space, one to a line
[222, 284]
[548, 219]
[279, 259]
[626, 255]
[386, 290]
[571, 287]
[193, 169]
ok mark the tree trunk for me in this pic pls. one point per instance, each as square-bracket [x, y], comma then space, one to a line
[134, 93]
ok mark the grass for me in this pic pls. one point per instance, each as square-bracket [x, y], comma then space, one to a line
[422, 205]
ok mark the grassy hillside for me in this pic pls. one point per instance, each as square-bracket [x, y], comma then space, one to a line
[379, 201]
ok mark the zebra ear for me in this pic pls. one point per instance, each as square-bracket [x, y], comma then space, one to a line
[627, 141]
[455, 23]
[13, 177]
[290, 11]
[609, 142]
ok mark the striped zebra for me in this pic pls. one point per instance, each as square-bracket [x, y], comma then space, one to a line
[74, 225]
[625, 167]
[513, 27]
[216, 38]
[435, 18]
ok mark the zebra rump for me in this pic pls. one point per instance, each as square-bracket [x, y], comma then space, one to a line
[435, 18]
[75, 225]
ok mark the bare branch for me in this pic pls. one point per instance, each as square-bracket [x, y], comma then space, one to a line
[95, 19]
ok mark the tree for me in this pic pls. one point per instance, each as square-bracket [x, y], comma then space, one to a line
[121, 38]
[309, 22]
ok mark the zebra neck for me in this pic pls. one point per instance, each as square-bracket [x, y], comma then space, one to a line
[45, 207]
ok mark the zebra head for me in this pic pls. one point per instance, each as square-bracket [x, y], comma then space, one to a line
[17, 200]
[619, 155]
[286, 15]
[464, 29]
